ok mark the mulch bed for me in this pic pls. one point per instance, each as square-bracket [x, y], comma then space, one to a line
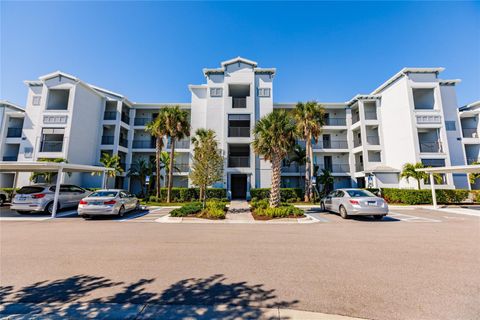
[265, 218]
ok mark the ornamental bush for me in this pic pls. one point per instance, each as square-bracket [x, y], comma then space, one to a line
[286, 194]
[283, 211]
[413, 197]
[189, 194]
[186, 210]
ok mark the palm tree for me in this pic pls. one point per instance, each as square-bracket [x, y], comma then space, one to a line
[298, 155]
[274, 137]
[309, 118]
[141, 169]
[409, 171]
[326, 180]
[112, 162]
[157, 129]
[165, 162]
[177, 127]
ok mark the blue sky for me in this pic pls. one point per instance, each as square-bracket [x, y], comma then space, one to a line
[151, 51]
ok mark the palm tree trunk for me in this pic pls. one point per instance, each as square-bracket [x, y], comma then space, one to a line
[308, 169]
[310, 186]
[170, 170]
[158, 150]
[418, 184]
[276, 179]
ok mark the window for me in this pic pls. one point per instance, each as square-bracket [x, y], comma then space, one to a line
[216, 92]
[264, 92]
[450, 125]
[36, 100]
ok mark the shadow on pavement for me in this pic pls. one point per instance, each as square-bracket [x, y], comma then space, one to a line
[193, 298]
[355, 218]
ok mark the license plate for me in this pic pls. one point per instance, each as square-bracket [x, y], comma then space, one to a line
[372, 203]
[22, 198]
[95, 203]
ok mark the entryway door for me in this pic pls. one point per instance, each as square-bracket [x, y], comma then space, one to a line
[238, 186]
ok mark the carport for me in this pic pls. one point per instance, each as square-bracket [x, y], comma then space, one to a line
[454, 169]
[59, 168]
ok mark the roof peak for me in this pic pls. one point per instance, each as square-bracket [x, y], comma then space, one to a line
[239, 59]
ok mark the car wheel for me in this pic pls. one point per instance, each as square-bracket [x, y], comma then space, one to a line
[86, 217]
[22, 212]
[121, 211]
[343, 212]
[49, 208]
[2, 200]
[322, 206]
[378, 217]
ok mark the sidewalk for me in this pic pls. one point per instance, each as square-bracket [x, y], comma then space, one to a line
[157, 311]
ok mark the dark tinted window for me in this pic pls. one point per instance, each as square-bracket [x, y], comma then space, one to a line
[339, 194]
[360, 193]
[76, 189]
[30, 190]
[104, 194]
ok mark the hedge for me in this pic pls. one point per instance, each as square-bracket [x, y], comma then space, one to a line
[412, 197]
[188, 209]
[215, 209]
[286, 194]
[189, 194]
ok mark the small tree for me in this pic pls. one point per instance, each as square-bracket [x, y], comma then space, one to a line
[474, 176]
[326, 180]
[207, 164]
[112, 162]
[409, 170]
[47, 176]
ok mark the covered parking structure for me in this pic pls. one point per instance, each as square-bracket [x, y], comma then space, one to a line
[59, 168]
[468, 169]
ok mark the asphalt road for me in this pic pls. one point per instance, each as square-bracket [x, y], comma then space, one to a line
[396, 269]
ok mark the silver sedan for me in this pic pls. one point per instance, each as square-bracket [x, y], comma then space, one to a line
[355, 202]
[112, 202]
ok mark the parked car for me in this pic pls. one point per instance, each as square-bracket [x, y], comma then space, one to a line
[39, 197]
[3, 197]
[113, 202]
[355, 202]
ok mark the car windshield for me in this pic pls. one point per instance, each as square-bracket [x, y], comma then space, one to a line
[104, 194]
[30, 190]
[360, 193]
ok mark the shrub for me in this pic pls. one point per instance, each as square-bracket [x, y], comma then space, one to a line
[279, 212]
[259, 204]
[286, 194]
[186, 210]
[413, 197]
[188, 194]
[213, 213]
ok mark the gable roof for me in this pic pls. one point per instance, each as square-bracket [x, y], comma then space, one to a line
[239, 59]
[11, 105]
[404, 72]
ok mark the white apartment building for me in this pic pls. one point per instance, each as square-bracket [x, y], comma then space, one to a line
[412, 117]
[469, 121]
[11, 124]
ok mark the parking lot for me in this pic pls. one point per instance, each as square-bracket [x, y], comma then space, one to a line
[415, 264]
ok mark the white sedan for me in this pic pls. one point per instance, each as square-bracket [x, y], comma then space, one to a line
[112, 202]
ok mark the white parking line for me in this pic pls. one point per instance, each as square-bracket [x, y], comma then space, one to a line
[409, 218]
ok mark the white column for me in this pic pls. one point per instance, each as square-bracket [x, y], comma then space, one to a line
[57, 192]
[434, 196]
[103, 180]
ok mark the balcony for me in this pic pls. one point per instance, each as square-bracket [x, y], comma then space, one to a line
[142, 121]
[429, 119]
[335, 121]
[238, 161]
[10, 158]
[470, 132]
[123, 142]
[125, 118]
[51, 146]
[336, 168]
[182, 167]
[241, 132]
[107, 140]
[338, 144]
[373, 140]
[355, 118]
[370, 115]
[293, 168]
[14, 132]
[472, 160]
[359, 167]
[143, 144]
[110, 115]
[182, 144]
[357, 143]
[431, 147]
[238, 103]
